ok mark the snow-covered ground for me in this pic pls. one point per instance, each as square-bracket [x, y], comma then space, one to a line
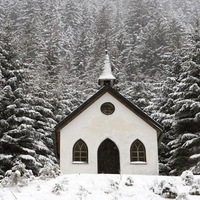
[93, 187]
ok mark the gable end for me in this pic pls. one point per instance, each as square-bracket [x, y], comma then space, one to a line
[94, 98]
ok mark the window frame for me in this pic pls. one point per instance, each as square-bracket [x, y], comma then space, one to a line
[107, 108]
[140, 155]
[80, 156]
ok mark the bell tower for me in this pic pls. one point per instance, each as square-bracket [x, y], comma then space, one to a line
[106, 77]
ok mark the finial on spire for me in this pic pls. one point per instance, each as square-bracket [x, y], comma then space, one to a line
[106, 77]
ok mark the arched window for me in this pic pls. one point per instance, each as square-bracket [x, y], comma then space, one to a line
[138, 152]
[80, 152]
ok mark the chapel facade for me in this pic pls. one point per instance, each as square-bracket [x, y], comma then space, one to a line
[108, 134]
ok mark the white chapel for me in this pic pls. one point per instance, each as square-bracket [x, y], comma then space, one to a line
[108, 134]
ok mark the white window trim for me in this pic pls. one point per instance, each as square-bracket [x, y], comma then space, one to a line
[138, 163]
[79, 162]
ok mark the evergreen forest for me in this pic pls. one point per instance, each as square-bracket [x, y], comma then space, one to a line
[52, 53]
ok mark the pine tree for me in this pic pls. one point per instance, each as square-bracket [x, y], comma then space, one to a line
[161, 106]
[27, 120]
[12, 73]
[102, 32]
[186, 126]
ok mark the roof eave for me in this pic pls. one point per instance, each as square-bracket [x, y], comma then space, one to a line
[80, 109]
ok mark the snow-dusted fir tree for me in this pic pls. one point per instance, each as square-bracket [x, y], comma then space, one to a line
[26, 119]
[161, 104]
[146, 39]
[71, 13]
[159, 108]
[12, 88]
[186, 127]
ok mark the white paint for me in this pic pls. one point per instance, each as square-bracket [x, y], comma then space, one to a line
[123, 127]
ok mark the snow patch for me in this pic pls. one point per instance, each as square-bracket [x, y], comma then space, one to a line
[101, 186]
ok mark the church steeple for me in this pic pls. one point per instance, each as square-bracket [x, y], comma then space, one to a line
[106, 77]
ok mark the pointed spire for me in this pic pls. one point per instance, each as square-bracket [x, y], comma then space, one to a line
[106, 77]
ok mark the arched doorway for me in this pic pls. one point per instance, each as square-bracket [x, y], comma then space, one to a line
[108, 158]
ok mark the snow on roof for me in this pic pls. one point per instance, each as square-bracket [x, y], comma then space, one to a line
[107, 72]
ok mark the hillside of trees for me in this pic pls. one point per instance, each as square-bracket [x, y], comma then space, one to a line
[52, 53]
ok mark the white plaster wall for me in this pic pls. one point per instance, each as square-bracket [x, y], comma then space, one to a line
[122, 127]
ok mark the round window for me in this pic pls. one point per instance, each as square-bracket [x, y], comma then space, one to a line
[107, 108]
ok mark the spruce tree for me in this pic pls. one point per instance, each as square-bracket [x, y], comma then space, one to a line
[186, 126]
[12, 88]
[27, 119]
